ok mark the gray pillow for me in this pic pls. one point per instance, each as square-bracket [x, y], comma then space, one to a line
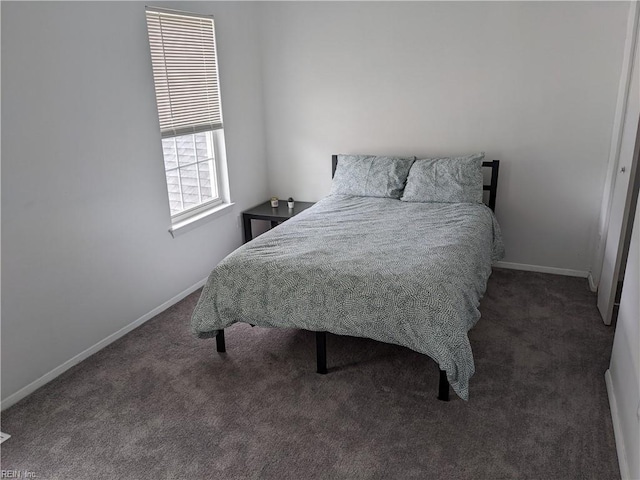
[446, 180]
[371, 176]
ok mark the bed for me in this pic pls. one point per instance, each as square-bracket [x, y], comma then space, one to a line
[376, 258]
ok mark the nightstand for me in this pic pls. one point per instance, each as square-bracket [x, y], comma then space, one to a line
[276, 215]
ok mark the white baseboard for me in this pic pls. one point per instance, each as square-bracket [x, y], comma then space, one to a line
[617, 429]
[47, 377]
[541, 269]
[592, 283]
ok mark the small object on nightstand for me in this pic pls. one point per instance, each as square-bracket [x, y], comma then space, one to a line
[274, 202]
[291, 203]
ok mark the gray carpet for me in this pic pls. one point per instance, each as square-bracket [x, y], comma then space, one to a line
[160, 404]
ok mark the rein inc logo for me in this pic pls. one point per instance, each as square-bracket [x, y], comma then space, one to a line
[17, 474]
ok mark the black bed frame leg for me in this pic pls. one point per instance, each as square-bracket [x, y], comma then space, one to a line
[321, 352]
[443, 387]
[220, 346]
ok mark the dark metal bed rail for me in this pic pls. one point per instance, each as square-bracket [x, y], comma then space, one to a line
[321, 366]
[493, 184]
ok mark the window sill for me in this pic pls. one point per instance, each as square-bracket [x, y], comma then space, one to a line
[190, 223]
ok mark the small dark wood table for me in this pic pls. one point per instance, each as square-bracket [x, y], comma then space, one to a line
[265, 211]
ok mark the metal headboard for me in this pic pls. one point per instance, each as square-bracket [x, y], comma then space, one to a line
[491, 187]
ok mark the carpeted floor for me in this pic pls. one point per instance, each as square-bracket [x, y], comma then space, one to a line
[159, 404]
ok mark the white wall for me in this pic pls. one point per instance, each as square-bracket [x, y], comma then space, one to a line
[624, 372]
[533, 84]
[85, 246]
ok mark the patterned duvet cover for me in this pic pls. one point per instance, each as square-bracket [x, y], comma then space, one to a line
[411, 274]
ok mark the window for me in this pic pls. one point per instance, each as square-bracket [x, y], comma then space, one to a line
[185, 74]
[189, 162]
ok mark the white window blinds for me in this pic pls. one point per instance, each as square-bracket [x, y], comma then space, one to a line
[185, 72]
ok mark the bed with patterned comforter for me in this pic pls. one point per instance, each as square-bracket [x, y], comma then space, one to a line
[411, 274]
